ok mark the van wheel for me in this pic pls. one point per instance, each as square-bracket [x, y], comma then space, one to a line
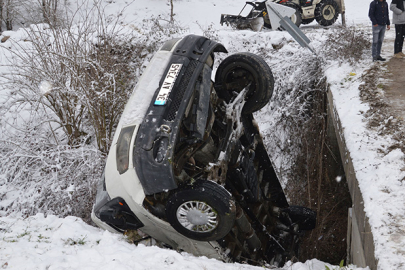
[204, 211]
[239, 70]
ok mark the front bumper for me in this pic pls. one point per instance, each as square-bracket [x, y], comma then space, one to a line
[113, 214]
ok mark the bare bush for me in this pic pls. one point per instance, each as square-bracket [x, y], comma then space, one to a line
[299, 146]
[347, 44]
[210, 32]
[39, 176]
[66, 89]
[302, 118]
[82, 74]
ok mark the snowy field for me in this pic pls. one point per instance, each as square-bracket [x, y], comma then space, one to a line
[55, 243]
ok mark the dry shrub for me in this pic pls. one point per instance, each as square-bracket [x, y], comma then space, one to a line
[312, 179]
[347, 44]
[312, 176]
[64, 95]
[295, 131]
[306, 158]
[81, 75]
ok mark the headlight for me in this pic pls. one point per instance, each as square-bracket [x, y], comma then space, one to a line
[169, 44]
[123, 145]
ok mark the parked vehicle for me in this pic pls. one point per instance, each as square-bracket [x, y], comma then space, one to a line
[325, 12]
[187, 165]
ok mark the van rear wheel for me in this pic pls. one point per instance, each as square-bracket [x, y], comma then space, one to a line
[242, 70]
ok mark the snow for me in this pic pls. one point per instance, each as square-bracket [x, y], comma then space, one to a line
[39, 242]
[52, 243]
[357, 11]
[45, 87]
[379, 176]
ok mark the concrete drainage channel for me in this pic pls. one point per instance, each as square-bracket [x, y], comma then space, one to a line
[360, 244]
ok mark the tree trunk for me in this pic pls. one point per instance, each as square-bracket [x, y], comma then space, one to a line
[9, 15]
[54, 8]
[49, 8]
[171, 11]
[45, 9]
[1, 15]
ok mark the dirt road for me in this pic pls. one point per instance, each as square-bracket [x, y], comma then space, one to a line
[394, 85]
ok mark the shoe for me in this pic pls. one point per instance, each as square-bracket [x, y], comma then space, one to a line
[399, 55]
[379, 58]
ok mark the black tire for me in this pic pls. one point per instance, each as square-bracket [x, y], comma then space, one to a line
[204, 211]
[307, 21]
[238, 71]
[303, 216]
[326, 12]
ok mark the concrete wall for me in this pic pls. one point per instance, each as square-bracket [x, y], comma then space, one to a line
[360, 238]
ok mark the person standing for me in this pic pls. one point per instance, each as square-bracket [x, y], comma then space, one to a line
[398, 18]
[379, 16]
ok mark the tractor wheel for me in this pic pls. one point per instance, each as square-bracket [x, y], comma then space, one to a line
[296, 18]
[204, 211]
[326, 12]
[307, 21]
[240, 70]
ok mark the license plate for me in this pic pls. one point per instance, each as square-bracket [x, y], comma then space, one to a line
[168, 84]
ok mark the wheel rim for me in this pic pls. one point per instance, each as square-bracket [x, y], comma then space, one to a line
[237, 79]
[328, 12]
[197, 216]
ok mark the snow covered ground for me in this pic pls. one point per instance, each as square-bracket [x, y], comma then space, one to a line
[380, 172]
[54, 243]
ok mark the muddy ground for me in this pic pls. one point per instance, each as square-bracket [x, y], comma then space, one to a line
[384, 90]
[395, 89]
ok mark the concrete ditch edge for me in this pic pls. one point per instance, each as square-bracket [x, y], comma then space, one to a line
[360, 238]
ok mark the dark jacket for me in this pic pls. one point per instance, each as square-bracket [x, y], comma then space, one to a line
[378, 13]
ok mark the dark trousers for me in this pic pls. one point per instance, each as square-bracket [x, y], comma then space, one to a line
[399, 37]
